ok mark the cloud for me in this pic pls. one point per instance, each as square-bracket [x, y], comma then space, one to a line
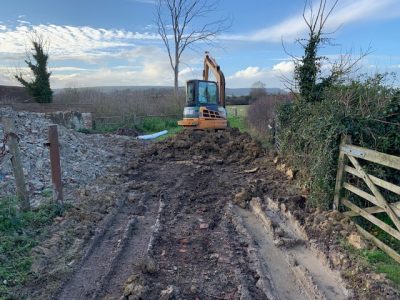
[71, 42]
[66, 69]
[249, 72]
[348, 11]
[272, 77]
[284, 67]
[145, 65]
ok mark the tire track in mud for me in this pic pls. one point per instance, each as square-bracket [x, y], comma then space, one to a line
[207, 248]
[118, 247]
[197, 250]
[295, 271]
[180, 238]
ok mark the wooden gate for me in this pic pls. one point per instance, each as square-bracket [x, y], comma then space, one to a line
[374, 196]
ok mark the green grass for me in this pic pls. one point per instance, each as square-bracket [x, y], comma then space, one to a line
[155, 124]
[109, 128]
[147, 125]
[383, 263]
[237, 116]
[19, 233]
[377, 260]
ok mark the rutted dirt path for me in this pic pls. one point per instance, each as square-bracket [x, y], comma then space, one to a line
[116, 249]
[285, 258]
[189, 242]
[177, 233]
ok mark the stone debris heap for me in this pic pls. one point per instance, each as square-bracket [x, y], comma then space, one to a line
[83, 157]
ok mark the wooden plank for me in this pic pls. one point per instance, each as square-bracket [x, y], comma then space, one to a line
[382, 225]
[361, 193]
[381, 201]
[340, 173]
[375, 210]
[16, 162]
[389, 251]
[379, 182]
[55, 164]
[372, 155]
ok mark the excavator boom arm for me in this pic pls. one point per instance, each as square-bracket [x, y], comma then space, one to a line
[211, 64]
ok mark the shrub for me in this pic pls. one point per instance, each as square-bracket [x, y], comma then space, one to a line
[39, 88]
[19, 233]
[364, 108]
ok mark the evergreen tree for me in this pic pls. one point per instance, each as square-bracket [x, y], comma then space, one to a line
[39, 88]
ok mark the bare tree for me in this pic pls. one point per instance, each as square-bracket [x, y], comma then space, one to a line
[177, 22]
[308, 76]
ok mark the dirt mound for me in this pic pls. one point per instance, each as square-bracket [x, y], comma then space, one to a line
[228, 146]
[127, 131]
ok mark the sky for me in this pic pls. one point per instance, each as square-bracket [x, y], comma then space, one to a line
[115, 42]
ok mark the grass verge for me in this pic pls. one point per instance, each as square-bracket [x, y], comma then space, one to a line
[237, 117]
[376, 259]
[19, 233]
[382, 263]
[147, 125]
[156, 124]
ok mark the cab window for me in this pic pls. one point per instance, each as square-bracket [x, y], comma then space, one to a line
[207, 92]
[190, 97]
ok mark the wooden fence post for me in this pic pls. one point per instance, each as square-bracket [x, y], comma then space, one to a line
[55, 164]
[12, 141]
[340, 171]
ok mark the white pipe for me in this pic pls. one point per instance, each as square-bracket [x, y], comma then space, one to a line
[152, 136]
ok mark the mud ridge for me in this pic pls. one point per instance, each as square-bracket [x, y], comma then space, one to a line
[96, 239]
[98, 268]
[314, 275]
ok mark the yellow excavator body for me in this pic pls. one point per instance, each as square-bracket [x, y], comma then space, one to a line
[208, 119]
[205, 100]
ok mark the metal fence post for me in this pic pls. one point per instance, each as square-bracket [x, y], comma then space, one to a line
[12, 141]
[55, 164]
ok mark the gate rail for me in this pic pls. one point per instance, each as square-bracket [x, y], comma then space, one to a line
[374, 196]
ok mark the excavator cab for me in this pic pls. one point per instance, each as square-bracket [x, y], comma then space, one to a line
[205, 101]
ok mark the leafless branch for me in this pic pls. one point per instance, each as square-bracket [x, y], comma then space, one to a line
[176, 21]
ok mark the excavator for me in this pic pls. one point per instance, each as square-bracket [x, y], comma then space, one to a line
[205, 100]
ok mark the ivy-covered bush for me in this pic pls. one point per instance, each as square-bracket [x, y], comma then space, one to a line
[365, 108]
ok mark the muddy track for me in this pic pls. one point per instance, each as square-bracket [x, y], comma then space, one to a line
[285, 258]
[196, 247]
[177, 235]
[119, 245]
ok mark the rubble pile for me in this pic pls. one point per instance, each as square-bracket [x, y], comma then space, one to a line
[83, 157]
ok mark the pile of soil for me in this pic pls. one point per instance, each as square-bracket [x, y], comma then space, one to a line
[226, 147]
[127, 131]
